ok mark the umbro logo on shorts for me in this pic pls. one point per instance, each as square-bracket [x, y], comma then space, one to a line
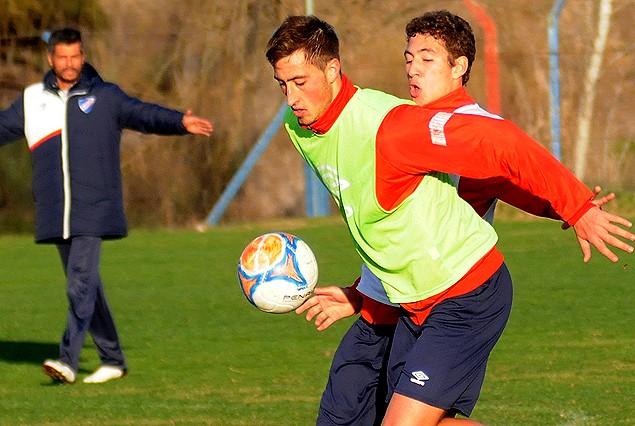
[419, 377]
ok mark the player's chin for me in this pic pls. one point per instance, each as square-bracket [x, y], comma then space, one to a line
[304, 118]
[304, 122]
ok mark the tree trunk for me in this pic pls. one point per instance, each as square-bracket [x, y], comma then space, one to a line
[588, 89]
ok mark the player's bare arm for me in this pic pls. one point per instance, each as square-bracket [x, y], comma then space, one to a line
[330, 304]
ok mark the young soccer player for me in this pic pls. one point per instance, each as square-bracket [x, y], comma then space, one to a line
[381, 158]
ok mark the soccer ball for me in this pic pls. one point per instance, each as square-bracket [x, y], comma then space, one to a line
[277, 272]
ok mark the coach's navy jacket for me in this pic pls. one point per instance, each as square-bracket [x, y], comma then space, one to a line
[74, 140]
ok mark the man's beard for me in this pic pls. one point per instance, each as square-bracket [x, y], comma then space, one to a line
[60, 76]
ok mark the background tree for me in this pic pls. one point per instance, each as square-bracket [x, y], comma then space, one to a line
[589, 87]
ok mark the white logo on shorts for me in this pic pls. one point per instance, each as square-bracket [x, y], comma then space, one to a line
[419, 378]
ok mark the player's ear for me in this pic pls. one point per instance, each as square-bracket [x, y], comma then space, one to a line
[332, 70]
[460, 67]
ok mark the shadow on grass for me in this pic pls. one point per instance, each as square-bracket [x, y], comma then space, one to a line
[27, 352]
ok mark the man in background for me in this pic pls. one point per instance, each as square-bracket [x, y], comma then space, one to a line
[72, 122]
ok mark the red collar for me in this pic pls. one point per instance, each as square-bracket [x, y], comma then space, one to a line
[452, 100]
[325, 122]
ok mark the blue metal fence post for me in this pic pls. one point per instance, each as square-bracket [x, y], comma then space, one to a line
[554, 77]
[242, 173]
[317, 198]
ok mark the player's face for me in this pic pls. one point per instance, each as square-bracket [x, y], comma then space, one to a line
[67, 61]
[308, 89]
[430, 74]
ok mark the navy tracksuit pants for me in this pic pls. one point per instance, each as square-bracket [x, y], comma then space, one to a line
[88, 310]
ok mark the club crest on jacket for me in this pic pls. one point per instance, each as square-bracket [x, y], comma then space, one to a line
[86, 104]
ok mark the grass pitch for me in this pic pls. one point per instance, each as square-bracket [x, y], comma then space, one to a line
[200, 354]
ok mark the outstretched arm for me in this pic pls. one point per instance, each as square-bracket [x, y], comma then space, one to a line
[12, 122]
[197, 125]
[330, 304]
[481, 147]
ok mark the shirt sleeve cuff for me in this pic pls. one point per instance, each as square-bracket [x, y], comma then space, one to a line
[353, 287]
[585, 208]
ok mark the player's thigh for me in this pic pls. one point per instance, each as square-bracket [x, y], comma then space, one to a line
[405, 411]
[356, 376]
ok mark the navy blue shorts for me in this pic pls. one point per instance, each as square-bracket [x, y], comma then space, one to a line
[442, 362]
[356, 390]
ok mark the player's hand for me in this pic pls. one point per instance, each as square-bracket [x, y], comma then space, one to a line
[196, 125]
[330, 304]
[598, 228]
[602, 201]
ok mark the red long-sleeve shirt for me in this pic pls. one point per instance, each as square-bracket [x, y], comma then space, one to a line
[453, 135]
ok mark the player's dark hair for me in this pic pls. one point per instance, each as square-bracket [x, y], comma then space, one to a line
[64, 36]
[453, 31]
[315, 37]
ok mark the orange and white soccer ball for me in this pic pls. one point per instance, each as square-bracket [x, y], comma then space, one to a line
[277, 272]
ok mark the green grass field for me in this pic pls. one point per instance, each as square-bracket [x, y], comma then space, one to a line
[200, 354]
